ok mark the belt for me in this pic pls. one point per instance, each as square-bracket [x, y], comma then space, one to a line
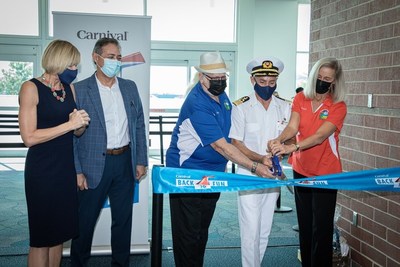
[117, 151]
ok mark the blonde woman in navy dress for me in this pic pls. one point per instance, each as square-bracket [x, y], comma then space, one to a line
[48, 118]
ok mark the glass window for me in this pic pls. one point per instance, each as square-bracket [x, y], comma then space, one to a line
[168, 86]
[12, 75]
[15, 20]
[303, 27]
[301, 69]
[193, 20]
[303, 43]
[114, 7]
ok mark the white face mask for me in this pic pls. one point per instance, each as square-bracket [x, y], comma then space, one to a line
[111, 67]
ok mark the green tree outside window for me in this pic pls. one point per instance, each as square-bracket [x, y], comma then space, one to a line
[12, 78]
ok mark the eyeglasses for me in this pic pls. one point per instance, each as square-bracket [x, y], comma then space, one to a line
[112, 57]
[223, 78]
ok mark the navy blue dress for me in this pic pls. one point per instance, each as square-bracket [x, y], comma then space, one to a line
[50, 177]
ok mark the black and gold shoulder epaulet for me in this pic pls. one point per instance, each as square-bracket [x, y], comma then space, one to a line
[286, 100]
[241, 100]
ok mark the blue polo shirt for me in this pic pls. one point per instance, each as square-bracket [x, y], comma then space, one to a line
[201, 122]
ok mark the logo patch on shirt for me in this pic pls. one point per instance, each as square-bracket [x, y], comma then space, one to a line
[323, 115]
[227, 105]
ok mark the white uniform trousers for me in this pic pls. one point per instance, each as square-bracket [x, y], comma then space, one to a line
[256, 211]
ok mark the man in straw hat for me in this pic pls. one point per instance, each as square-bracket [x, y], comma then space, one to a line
[257, 118]
[200, 141]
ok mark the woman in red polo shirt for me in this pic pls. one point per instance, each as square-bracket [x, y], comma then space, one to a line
[317, 117]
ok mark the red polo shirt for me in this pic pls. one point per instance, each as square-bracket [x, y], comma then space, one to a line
[324, 158]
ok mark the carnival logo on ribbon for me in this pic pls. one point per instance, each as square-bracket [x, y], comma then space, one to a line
[388, 181]
[204, 183]
[313, 182]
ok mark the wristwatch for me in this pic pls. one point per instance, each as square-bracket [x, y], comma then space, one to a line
[254, 167]
[297, 147]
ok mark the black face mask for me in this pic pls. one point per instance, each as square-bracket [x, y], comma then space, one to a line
[217, 87]
[322, 87]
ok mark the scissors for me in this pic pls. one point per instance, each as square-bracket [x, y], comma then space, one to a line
[276, 166]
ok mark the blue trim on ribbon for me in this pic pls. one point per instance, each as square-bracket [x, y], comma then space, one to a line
[178, 180]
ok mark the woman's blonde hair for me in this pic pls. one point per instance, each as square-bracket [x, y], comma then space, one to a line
[337, 90]
[193, 83]
[59, 55]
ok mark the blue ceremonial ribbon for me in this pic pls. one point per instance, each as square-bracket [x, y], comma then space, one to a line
[178, 180]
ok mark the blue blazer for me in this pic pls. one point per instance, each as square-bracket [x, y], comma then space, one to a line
[90, 148]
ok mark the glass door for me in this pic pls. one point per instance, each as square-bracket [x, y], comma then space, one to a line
[15, 68]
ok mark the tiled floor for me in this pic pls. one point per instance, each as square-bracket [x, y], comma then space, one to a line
[12, 164]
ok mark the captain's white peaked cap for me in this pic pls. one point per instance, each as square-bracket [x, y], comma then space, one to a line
[265, 66]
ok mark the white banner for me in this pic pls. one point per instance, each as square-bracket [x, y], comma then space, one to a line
[133, 33]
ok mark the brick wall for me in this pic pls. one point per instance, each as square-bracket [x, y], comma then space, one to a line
[365, 36]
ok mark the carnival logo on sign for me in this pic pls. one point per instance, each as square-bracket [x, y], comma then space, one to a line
[388, 181]
[204, 183]
[132, 60]
[120, 36]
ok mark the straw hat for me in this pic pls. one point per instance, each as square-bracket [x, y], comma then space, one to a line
[211, 62]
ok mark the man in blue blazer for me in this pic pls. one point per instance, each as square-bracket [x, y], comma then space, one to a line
[110, 155]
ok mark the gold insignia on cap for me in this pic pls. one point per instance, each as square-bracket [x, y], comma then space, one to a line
[267, 64]
[241, 100]
[266, 68]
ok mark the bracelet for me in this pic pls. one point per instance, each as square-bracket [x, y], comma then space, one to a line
[254, 167]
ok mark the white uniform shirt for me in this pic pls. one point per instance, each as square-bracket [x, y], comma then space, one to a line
[114, 115]
[255, 126]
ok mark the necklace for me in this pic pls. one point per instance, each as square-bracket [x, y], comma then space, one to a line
[54, 90]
